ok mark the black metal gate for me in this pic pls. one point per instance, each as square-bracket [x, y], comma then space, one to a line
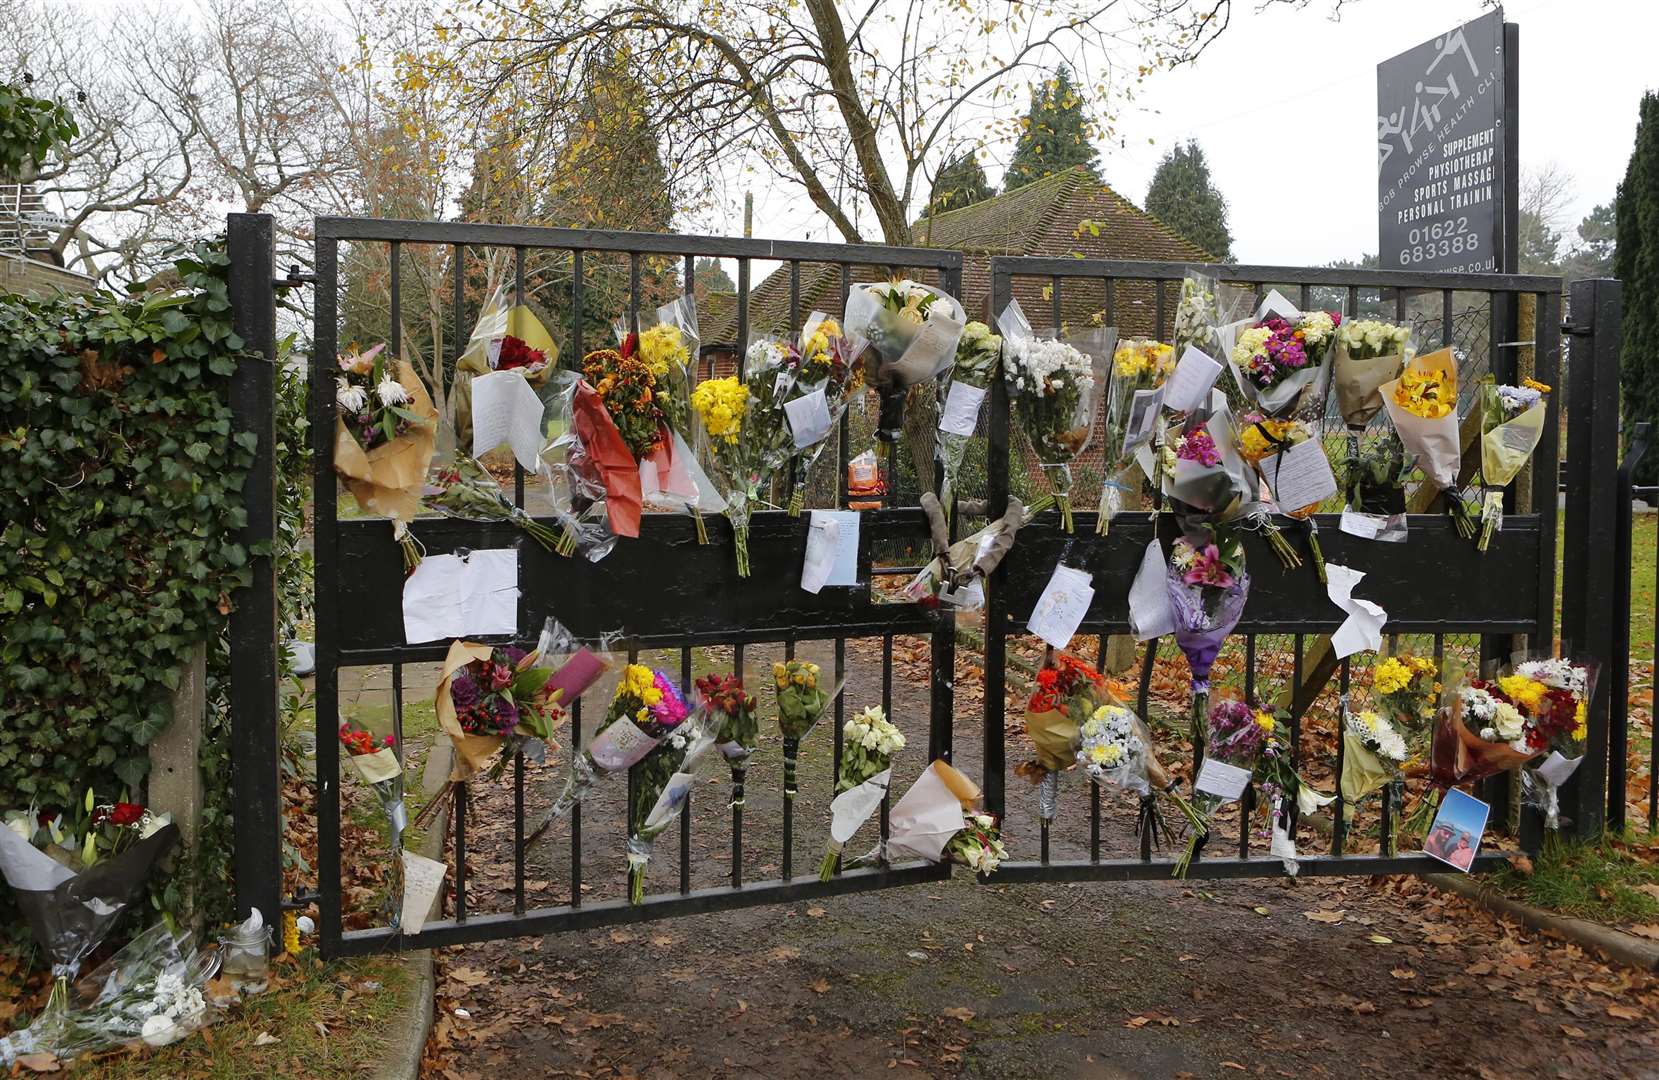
[1509, 591]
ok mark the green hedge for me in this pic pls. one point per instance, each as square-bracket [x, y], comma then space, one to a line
[120, 480]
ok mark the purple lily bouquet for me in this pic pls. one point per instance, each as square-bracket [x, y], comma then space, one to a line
[1208, 585]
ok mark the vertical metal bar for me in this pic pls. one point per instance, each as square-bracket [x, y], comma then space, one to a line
[394, 338]
[1158, 310]
[1250, 668]
[742, 313]
[1111, 302]
[518, 833]
[887, 710]
[457, 298]
[843, 441]
[996, 610]
[576, 811]
[397, 709]
[1353, 302]
[837, 747]
[633, 291]
[794, 296]
[460, 853]
[737, 811]
[518, 290]
[1339, 825]
[256, 770]
[685, 810]
[788, 803]
[578, 287]
[1447, 328]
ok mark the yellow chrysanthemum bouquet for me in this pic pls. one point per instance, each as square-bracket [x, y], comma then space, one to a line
[1422, 402]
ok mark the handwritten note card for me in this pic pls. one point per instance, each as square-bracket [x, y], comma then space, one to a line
[449, 596]
[1222, 780]
[831, 550]
[1191, 381]
[1062, 606]
[1149, 612]
[506, 410]
[1300, 476]
[422, 879]
[809, 418]
[961, 413]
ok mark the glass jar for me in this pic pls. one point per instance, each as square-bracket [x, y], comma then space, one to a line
[245, 958]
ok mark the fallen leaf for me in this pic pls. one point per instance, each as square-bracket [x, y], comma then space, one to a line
[1365, 1008]
[1234, 1065]
[822, 986]
[469, 976]
[957, 1012]
[1647, 930]
[1624, 1012]
[1138, 1022]
[1378, 939]
[1331, 917]
[1521, 863]
[1574, 1032]
[40, 1063]
[1259, 910]
[1403, 974]
[784, 952]
[265, 1038]
[621, 937]
[815, 913]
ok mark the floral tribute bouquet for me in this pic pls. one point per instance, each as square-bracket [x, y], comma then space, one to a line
[1369, 354]
[1051, 385]
[940, 817]
[1373, 477]
[1268, 445]
[912, 330]
[823, 376]
[1511, 424]
[1204, 475]
[1115, 749]
[1205, 306]
[870, 741]
[645, 709]
[662, 783]
[1208, 585]
[1563, 679]
[1422, 402]
[1408, 689]
[462, 488]
[1068, 693]
[1134, 397]
[150, 991]
[73, 878]
[1373, 753]
[376, 761]
[1241, 744]
[801, 704]
[734, 712]
[506, 337]
[977, 355]
[383, 437]
[1279, 360]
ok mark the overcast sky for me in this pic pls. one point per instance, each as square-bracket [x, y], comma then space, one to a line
[1307, 86]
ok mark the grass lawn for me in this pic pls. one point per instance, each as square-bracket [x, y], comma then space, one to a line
[1614, 880]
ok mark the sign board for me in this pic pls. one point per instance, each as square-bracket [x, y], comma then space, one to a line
[1443, 151]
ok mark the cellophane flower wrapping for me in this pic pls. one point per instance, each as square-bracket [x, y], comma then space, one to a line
[1511, 423]
[663, 780]
[1373, 753]
[1115, 749]
[1369, 354]
[978, 353]
[1068, 692]
[377, 763]
[1280, 362]
[822, 364]
[150, 990]
[1204, 307]
[1204, 473]
[1051, 384]
[458, 486]
[912, 330]
[869, 742]
[1562, 737]
[802, 701]
[1240, 736]
[507, 337]
[1208, 587]
[574, 481]
[1373, 474]
[1133, 403]
[69, 913]
[735, 714]
[645, 708]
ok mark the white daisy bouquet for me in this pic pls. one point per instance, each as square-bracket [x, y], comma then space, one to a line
[1051, 383]
[384, 431]
[1116, 750]
[1373, 751]
[869, 742]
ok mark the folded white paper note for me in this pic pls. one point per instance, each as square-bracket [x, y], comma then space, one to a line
[1222, 780]
[1191, 381]
[1390, 529]
[1558, 769]
[1362, 630]
[831, 550]
[451, 597]
[970, 597]
[1300, 476]
[422, 878]
[961, 412]
[505, 409]
[1149, 613]
[1061, 608]
[809, 418]
[1276, 303]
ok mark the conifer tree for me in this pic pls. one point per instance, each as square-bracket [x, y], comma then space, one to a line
[1636, 263]
[1056, 134]
[961, 182]
[1183, 196]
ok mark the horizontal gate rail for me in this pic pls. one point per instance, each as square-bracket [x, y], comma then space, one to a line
[1436, 584]
[663, 590]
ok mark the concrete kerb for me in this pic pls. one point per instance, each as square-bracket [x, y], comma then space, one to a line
[1611, 943]
[409, 1032]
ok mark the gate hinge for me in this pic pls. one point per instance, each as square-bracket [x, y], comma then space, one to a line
[296, 277]
[1572, 329]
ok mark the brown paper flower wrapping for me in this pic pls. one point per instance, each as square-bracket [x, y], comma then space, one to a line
[388, 479]
[1359, 384]
[1055, 735]
[966, 791]
[1459, 756]
[472, 752]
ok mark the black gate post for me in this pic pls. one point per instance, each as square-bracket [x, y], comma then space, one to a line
[1589, 583]
[255, 767]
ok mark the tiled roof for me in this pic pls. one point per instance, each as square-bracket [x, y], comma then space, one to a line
[1045, 218]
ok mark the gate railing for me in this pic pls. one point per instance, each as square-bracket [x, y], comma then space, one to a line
[1436, 584]
[670, 593]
